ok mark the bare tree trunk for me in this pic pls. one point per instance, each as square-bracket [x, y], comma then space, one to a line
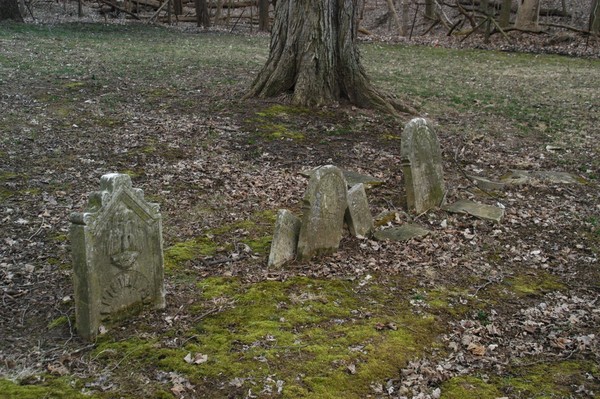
[595, 17]
[314, 57]
[263, 15]
[528, 15]
[405, 10]
[505, 10]
[202, 16]
[429, 9]
[9, 9]
[392, 10]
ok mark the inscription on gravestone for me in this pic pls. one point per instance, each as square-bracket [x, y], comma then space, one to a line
[325, 203]
[117, 255]
[422, 166]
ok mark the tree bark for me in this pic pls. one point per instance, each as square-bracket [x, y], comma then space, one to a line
[9, 9]
[314, 57]
[263, 15]
[429, 9]
[528, 15]
[594, 26]
[505, 10]
[202, 16]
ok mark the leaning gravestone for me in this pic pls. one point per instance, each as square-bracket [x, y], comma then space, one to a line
[285, 238]
[422, 166]
[358, 215]
[117, 255]
[325, 204]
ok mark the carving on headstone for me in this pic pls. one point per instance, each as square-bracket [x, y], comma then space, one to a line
[117, 255]
[325, 204]
[421, 159]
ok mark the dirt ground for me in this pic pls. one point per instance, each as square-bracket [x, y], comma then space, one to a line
[475, 309]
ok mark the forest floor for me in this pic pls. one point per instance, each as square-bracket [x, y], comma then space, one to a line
[475, 309]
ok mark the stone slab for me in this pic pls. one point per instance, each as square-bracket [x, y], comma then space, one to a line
[482, 211]
[285, 238]
[421, 159]
[486, 184]
[117, 254]
[405, 232]
[325, 204]
[358, 216]
[517, 176]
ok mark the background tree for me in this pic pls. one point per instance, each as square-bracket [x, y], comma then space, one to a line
[595, 17]
[505, 10]
[263, 15]
[202, 15]
[528, 15]
[9, 9]
[314, 57]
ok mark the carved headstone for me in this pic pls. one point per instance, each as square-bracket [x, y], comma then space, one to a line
[285, 238]
[325, 204]
[358, 215]
[117, 255]
[422, 166]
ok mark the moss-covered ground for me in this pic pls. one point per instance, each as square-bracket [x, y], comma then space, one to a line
[80, 100]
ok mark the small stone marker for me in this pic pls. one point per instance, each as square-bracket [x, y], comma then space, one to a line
[285, 238]
[117, 255]
[325, 204]
[405, 232]
[358, 216]
[486, 212]
[525, 176]
[422, 166]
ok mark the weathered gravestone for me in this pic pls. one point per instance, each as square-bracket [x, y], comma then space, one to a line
[325, 204]
[358, 215]
[117, 255]
[422, 166]
[285, 238]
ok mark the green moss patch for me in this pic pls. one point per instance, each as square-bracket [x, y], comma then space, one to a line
[320, 338]
[180, 253]
[545, 380]
[535, 283]
[469, 387]
[553, 380]
[256, 230]
[42, 386]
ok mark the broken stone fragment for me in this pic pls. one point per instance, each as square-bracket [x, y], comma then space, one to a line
[405, 232]
[358, 216]
[285, 238]
[482, 211]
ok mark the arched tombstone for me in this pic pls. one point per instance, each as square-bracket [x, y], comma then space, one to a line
[117, 255]
[325, 204]
[421, 159]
